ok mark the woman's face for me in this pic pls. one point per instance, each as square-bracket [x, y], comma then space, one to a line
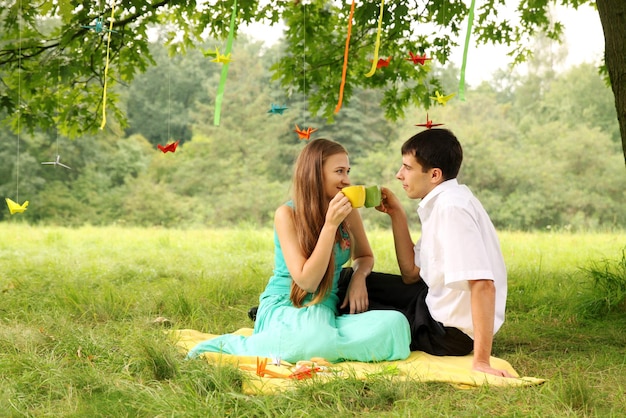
[336, 174]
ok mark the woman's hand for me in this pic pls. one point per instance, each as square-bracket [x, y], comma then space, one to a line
[338, 209]
[356, 296]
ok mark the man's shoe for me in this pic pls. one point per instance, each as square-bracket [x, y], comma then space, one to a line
[252, 313]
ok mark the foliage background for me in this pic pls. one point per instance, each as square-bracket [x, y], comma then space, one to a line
[542, 150]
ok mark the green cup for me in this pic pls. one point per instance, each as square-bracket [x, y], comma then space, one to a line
[372, 196]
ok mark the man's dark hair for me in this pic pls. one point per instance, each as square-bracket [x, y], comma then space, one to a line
[436, 148]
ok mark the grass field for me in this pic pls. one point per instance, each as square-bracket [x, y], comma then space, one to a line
[77, 337]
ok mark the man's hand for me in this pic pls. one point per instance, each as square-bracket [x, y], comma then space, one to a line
[389, 202]
[486, 368]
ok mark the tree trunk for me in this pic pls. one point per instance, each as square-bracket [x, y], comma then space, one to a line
[613, 18]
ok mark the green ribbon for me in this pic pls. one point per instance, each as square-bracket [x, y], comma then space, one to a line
[470, 19]
[221, 87]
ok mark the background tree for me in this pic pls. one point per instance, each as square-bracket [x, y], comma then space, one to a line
[537, 158]
[48, 56]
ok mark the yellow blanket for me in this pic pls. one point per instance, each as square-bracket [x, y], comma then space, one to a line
[266, 377]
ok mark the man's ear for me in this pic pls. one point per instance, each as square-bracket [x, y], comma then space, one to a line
[436, 175]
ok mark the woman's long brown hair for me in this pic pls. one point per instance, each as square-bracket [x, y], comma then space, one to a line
[310, 206]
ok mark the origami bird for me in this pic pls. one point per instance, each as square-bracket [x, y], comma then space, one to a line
[304, 133]
[98, 27]
[417, 59]
[429, 123]
[57, 161]
[442, 100]
[169, 147]
[383, 62]
[15, 207]
[221, 58]
[277, 109]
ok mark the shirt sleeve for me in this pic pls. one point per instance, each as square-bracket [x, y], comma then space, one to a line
[464, 253]
[416, 251]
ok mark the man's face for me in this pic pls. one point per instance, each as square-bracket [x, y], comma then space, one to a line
[415, 182]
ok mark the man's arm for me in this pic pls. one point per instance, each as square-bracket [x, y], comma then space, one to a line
[405, 252]
[483, 313]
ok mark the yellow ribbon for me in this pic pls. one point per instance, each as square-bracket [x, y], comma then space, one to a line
[106, 71]
[377, 45]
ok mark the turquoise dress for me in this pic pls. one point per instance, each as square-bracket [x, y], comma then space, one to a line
[283, 331]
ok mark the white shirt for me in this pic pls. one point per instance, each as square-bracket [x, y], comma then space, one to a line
[458, 243]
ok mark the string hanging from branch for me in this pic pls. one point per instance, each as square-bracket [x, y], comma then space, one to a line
[13, 206]
[171, 146]
[304, 134]
[57, 160]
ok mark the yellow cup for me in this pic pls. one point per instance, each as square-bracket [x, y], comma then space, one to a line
[355, 194]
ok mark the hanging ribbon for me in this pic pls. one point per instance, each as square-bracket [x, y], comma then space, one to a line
[345, 60]
[106, 71]
[470, 20]
[222, 85]
[377, 45]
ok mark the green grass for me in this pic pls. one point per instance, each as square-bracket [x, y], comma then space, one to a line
[77, 337]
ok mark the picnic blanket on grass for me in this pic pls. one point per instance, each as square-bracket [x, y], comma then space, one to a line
[267, 375]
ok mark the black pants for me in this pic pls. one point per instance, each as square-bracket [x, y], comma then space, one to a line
[389, 292]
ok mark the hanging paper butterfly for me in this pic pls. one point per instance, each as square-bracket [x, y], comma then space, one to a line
[417, 58]
[429, 123]
[442, 100]
[169, 147]
[277, 109]
[15, 207]
[57, 161]
[304, 133]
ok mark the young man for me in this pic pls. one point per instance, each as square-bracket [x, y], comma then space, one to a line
[456, 271]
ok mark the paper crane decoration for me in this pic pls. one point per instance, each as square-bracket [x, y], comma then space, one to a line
[304, 133]
[417, 58]
[98, 27]
[169, 147]
[221, 58]
[15, 207]
[277, 109]
[442, 100]
[57, 161]
[383, 62]
[429, 123]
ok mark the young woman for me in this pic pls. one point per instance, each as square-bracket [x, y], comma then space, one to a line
[315, 234]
